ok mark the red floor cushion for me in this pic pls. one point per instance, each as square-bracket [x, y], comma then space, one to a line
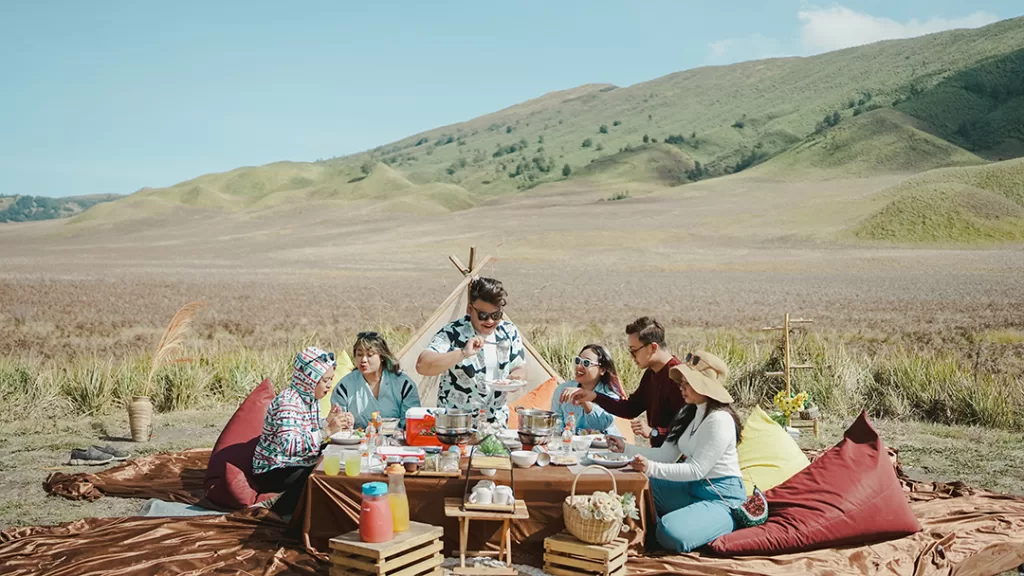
[849, 496]
[227, 481]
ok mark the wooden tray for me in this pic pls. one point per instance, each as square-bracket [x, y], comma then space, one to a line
[499, 508]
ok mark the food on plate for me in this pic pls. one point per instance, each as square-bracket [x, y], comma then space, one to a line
[561, 459]
[610, 457]
[590, 432]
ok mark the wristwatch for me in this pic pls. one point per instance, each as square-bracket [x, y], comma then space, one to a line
[654, 432]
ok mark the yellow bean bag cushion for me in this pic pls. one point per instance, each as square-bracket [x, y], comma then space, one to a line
[768, 454]
[344, 367]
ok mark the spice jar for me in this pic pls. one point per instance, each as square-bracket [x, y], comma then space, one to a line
[412, 464]
[450, 461]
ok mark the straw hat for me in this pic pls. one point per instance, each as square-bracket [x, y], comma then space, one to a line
[705, 373]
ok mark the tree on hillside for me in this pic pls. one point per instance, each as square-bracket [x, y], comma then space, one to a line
[367, 167]
[603, 129]
[508, 130]
[588, 143]
[646, 139]
[617, 123]
[566, 170]
[540, 139]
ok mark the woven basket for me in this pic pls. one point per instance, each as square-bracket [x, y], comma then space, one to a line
[591, 531]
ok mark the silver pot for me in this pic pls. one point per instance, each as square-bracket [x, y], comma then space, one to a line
[534, 421]
[451, 420]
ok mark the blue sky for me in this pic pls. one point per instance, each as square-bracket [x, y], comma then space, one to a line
[112, 96]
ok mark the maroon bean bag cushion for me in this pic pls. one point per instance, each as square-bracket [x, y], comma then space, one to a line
[228, 474]
[849, 496]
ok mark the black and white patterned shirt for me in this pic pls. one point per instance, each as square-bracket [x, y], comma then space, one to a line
[464, 385]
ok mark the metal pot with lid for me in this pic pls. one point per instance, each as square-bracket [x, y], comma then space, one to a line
[452, 420]
[535, 421]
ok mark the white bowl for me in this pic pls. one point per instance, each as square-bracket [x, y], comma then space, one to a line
[489, 471]
[581, 443]
[524, 458]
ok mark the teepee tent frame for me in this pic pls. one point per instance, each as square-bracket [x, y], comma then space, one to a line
[538, 369]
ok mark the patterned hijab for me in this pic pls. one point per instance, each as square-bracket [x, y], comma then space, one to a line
[310, 366]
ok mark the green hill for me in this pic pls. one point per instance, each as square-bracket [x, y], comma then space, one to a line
[32, 208]
[956, 205]
[727, 118]
[882, 141]
[655, 163]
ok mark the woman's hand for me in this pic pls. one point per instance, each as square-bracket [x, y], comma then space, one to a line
[577, 396]
[639, 464]
[335, 420]
[616, 444]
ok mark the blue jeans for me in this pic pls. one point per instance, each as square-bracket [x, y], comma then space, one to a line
[691, 514]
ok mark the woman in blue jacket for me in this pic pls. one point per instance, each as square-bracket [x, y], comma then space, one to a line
[595, 371]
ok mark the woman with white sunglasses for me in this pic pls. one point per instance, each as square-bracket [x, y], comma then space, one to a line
[595, 372]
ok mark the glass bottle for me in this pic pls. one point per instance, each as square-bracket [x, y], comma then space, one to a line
[399, 501]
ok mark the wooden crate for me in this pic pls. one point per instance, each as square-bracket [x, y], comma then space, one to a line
[565, 555]
[415, 552]
[801, 424]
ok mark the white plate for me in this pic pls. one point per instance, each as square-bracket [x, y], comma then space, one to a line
[346, 438]
[595, 458]
[558, 460]
[507, 385]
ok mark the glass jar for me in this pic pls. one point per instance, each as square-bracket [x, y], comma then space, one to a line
[450, 460]
[375, 521]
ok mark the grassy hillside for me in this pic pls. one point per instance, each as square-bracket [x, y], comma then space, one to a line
[31, 208]
[727, 118]
[882, 141]
[961, 205]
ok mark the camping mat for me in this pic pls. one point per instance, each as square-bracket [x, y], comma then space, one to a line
[171, 476]
[975, 535]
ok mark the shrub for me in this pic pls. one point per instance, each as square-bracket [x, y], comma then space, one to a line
[508, 130]
[566, 171]
[739, 124]
[617, 123]
[676, 139]
[587, 143]
[646, 139]
[603, 129]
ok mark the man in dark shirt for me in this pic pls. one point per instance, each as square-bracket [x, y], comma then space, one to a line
[657, 394]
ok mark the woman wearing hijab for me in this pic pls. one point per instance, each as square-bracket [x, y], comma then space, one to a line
[377, 385]
[693, 497]
[595, 372]
[289, 446]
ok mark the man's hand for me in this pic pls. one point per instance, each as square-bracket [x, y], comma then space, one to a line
[616, 444]
[577, 396]
[475, 344]
[639, 464]
[640, 427]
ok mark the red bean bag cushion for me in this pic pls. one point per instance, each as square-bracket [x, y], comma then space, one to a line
[848, 496]
[227, 475]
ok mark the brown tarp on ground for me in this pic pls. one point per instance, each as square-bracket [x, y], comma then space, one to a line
[966, 533]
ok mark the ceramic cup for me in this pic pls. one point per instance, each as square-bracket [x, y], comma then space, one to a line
[503, 495]
[481, 495]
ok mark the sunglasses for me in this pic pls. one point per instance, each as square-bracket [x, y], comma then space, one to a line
[368, 335]
[585, 362]
[633, 351]
[692, 359]
[485, 316]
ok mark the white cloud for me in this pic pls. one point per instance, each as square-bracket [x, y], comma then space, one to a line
[753, 47]
[824, 29]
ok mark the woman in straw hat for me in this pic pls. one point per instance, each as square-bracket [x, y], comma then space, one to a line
[695, 475]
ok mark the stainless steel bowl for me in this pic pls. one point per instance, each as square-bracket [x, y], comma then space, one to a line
[455, 438]
[534, 421]
[451, 419]
[535, 438]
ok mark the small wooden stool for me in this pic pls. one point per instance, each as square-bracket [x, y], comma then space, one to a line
[415, 552]
[453, 509]
[566, 555]
[801, 424]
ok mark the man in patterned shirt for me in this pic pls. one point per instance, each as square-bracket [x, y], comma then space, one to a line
[469, 353]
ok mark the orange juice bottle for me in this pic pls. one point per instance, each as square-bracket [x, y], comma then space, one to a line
[399, 501]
